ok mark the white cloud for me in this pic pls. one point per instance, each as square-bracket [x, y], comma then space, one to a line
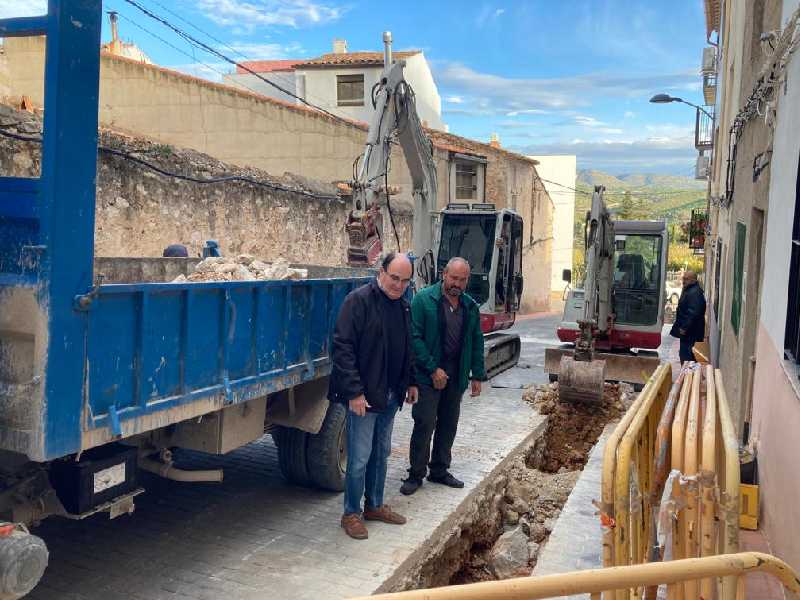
[249, 15]
[499, 12]
[267, 51]
[454, 100]
[22, 8]
[647, 154]
[527, 111]
[504, 95]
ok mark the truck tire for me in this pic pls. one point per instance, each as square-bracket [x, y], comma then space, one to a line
[292, 454]
[23, 558]
[327, 450]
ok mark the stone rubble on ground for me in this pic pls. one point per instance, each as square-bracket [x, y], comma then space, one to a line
[509, 554]
[243, 268]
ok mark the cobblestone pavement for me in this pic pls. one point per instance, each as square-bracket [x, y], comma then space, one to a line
[255, 536]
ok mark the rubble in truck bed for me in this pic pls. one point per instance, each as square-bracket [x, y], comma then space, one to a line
[243, 268]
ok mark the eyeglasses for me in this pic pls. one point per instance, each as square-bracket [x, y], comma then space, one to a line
[398, 279]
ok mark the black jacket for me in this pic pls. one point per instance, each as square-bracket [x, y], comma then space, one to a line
[690, 315]
[360, 352]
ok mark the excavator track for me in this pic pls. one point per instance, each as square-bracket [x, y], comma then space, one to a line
[500, 352]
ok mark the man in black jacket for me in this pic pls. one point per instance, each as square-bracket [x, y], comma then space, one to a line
[690, 322]
[372, 375]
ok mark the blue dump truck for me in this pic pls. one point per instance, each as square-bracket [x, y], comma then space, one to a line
[101, 377]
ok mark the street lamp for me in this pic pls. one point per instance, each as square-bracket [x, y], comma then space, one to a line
[666, 98]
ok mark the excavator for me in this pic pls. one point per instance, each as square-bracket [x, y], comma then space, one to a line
[490, 239]
[619, 310]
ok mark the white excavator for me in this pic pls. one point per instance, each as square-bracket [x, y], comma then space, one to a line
[619, 309]
[489, 238]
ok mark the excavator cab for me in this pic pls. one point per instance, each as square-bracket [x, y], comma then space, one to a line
[491, 241]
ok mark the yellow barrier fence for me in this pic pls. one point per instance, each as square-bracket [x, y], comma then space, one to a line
[670, 481]
[601, 582]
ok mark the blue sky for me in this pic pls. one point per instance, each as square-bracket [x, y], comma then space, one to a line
[568, 77]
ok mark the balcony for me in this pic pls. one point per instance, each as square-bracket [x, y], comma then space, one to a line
[704, 129]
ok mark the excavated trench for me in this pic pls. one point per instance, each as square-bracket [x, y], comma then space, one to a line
[502, 531]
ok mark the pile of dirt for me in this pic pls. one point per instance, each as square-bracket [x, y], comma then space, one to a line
[576, 427]
[243, 268]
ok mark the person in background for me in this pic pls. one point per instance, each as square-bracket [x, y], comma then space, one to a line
[690, 319]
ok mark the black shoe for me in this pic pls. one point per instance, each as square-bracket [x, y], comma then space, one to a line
[410, 486]
[447, 479]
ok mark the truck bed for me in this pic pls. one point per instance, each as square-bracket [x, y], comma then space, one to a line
[158, 353]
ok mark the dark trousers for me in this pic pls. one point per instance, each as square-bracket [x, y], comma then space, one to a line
[685, 352]
[435, 415]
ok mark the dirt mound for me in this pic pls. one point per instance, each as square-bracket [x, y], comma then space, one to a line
[575, 428]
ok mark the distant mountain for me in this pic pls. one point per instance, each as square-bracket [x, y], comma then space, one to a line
[638, 181]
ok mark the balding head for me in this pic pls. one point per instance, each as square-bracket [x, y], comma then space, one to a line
[689, 277]
[395, 274]
[455, 278]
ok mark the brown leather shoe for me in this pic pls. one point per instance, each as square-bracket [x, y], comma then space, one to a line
[385, 514]
[354, 526]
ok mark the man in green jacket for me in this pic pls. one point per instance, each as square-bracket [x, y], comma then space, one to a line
[448, 357]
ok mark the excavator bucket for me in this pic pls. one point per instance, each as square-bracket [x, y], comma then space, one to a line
[630, 368]
[581, 380]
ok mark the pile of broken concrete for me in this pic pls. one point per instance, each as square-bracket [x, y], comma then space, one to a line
[243, 268]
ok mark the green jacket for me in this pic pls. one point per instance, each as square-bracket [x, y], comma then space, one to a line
[427, 331]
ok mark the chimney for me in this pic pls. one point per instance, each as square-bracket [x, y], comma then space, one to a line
[112, 17]
[339, 46]
[495, 141]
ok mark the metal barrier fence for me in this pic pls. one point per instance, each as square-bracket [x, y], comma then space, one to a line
[599, 581]
[670, 481]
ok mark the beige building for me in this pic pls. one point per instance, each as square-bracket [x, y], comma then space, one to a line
[753, 242]
[559, 175]
[248, 129]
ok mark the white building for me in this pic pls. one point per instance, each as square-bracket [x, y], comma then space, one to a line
[558, 174]
[341, 82]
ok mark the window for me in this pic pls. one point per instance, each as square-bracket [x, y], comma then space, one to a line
[350, 90]
[637, 273]
[792, 339]
[738, 276]
[466, 181]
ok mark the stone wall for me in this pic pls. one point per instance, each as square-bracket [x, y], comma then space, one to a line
[140, 212]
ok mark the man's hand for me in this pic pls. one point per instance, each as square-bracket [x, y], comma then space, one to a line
[412, 395]
[439, 378]
[475, 388]
[359, 405]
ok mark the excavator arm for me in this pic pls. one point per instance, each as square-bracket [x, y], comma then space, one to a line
[394, 121]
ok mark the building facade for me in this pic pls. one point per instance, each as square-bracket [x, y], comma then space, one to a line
[559, 175]
[753, 243]
[341, 82]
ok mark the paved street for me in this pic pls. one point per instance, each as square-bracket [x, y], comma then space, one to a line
[255, 536]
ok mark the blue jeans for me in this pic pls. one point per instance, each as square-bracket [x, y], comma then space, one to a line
[369, 441]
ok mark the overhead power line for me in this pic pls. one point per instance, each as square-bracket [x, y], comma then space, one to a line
[286, 78]
[203, 46]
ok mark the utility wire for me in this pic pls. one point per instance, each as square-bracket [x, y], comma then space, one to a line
[225, 45]
[192, 40]
[200, 180]
[176, 48]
